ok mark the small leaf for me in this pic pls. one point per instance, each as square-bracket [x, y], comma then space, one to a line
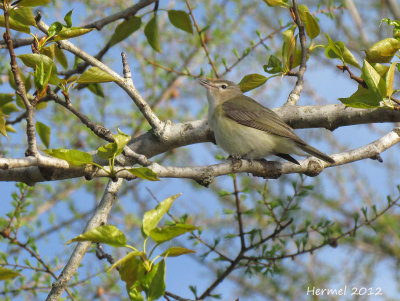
[134, 293]
[107, 151]
[96, 89]
[67, 19]
[72, 156]
[107, 234]
[68, 33]
[6, 98]
[9, 108]
[274, 65]
[166, 233]
[180, 19]
[43, 132]
[252, 81]
[382, 51]
[6, 274]
[389, 79]
[144, 173]
[131, 271]
[124, 259]
[310, 23]
[35, 60]
[33, 3]
[95, 75]
[60, 56]
[288, 48]
[3, 130]
[121, 139]
[362, 98]
[152, 217]
[125, 29]
[54, 29]
[282, 3]
[23, 15]
[157, 286]
[151, 33]
[373, 80]
[14, 24]
[176, 251]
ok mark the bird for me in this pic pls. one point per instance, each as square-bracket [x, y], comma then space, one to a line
[246, 129]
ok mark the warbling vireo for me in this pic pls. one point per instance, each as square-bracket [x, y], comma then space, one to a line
[245, 128]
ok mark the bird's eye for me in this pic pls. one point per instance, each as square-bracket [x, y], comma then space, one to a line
[224, 86]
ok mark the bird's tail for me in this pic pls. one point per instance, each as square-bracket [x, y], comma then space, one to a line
[316, 153]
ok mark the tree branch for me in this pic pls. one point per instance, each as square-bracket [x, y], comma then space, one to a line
[99, 217]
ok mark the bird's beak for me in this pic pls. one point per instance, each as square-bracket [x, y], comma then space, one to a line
[206, 83]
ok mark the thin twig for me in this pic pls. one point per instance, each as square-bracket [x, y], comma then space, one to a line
[21, 90]
[294, 95]
[239, 213]
[202, 41]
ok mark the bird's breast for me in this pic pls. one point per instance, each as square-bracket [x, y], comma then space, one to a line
[245, 141]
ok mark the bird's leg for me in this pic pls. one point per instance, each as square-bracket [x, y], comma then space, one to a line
[236, 160]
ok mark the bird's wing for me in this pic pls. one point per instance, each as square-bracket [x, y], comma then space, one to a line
[248, 112]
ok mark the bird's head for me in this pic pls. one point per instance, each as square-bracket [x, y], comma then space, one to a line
[220, 90]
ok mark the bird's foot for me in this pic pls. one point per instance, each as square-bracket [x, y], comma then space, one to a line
[236, 160]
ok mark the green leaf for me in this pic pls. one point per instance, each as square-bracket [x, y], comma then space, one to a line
[151, 33]
[338, 50]
[282, 3]
[135, 294]
[288, 48]
[176, 251]
[33, 3]
[166, 233]
[67, 33]
[95, 75]
[382, 51]
[274, 65]
[60, 56]
[36, 60]
[9, 128]
[9, 108]
[125, 29]
[389, 79]
[362, 98]
[67, 19]
[41, 77]
[3, 130]
[124, 259]
[107, 234]
[43, 132]
[14, 24]
[131, 271]
[252, 81]
[310, 23]
[96, 89]
[6, 274]
[113, 149]
[23, 15]
[144, 173]
[54, 29]
[121, 139]
[107, 151]
[72, 156]
[180, 19]
[152, 217]
[6, 98]
[373, 80]
[157, 286]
